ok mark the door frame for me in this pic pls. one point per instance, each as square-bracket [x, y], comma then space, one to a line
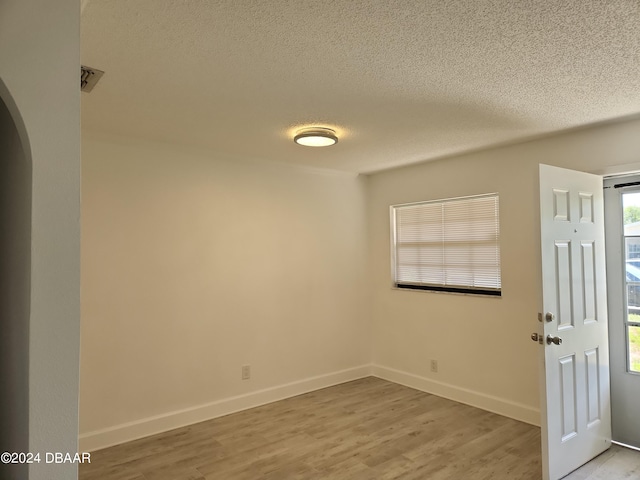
[624, 384]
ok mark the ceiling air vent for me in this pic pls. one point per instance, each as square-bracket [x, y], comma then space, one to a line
[89, 77]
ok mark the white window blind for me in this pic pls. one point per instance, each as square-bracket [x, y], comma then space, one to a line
[450, 245]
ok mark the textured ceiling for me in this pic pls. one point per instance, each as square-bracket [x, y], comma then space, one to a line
[401, 81]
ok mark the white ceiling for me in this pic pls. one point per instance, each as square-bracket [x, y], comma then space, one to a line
[402, 81]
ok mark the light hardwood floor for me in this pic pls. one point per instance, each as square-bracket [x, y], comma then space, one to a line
[365, 429]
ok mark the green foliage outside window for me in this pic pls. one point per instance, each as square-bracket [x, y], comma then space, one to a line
[631, 214]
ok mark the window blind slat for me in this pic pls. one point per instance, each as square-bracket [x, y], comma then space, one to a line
[448, 243]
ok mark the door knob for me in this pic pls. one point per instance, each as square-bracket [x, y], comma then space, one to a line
[554, 340]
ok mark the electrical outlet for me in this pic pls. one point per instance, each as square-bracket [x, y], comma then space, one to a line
[434, 366]
[246, 372]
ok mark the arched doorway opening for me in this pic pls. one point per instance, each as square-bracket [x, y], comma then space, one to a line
[15, 282]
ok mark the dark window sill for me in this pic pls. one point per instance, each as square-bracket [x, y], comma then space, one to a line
[435, 288]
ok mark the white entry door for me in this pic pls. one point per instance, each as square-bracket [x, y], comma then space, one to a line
[576, 411]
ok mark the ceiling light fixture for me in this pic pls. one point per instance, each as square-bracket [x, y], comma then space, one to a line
[316, 137]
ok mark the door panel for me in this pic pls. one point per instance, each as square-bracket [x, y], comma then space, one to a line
[592, 365]
[576, 423]
[564, 313]
[569, 408]
[589, 282]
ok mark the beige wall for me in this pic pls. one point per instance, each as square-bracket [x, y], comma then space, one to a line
[482, 344]
[39, 71]
[194, 265]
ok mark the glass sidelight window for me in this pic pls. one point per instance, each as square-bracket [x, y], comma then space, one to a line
[631, 212]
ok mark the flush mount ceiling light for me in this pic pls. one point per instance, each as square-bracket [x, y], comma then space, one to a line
[316, 137]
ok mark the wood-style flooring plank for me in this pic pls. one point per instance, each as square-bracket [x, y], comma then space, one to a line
[368, 429]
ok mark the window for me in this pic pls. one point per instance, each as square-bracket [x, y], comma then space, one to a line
[450, 245]
[631, 233]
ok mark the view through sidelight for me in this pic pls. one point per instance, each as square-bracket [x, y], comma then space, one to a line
[631, 232]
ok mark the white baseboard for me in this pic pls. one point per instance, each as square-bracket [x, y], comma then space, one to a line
[125, 432]
[107, 437]
[507, 408]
